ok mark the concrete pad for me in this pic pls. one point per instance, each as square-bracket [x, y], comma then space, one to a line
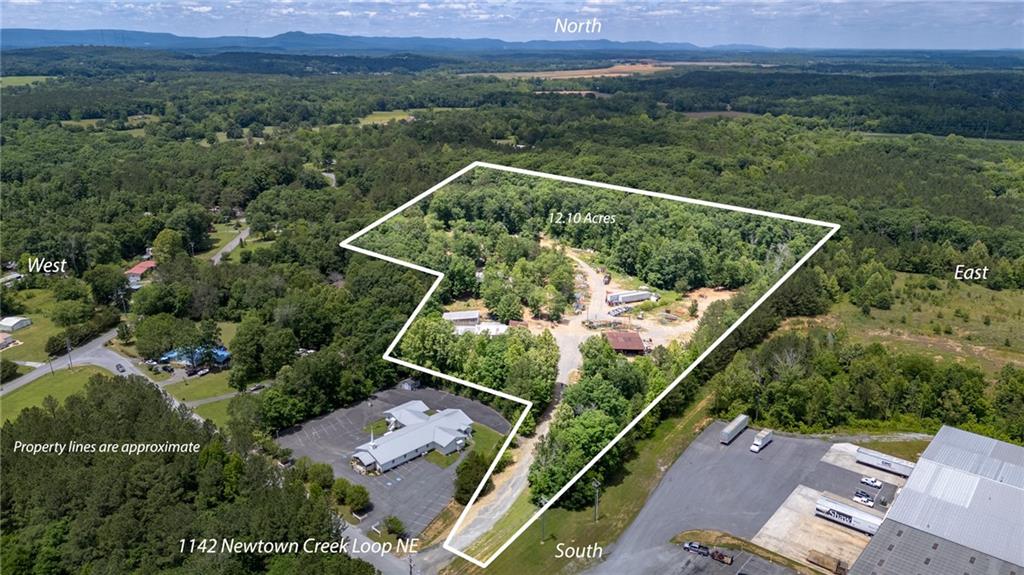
[794, 530]
[845, 455]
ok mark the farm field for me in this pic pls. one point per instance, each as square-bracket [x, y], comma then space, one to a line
[60, 385]
[38, 302]
[386, 116]
[21, 80]
[949, 319]
[618, 70]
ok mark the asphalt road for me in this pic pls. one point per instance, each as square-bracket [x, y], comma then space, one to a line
[92, 353]
[724, 488]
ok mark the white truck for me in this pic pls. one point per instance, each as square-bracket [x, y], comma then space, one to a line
[761, 440]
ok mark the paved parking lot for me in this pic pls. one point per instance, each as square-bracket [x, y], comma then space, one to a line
[416, 491]
[725, 488]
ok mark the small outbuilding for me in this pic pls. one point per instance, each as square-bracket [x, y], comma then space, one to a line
[469, 317]
[13, 323]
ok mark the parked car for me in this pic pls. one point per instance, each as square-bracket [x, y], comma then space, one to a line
[191, 371]
[257, 387]
[202, 372]
[864, 500]
[120, 368]
[871, 482]
[696, 548]
[168, 369]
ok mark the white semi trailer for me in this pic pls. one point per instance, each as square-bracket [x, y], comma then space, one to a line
[761, 440]
[831, 508]
[884, 462]
[735, 427]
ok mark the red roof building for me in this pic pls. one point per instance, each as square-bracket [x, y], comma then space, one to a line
[141, 268]
[625, 341]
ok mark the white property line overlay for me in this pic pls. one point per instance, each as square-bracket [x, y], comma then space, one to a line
[347, 244]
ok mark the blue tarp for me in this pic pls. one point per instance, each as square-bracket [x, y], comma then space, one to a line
[220, 355]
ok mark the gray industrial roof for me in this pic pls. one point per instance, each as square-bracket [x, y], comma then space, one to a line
[900, 550]
[409, 413]
[966, 490]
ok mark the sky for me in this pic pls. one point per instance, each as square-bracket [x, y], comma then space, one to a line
[878, 24]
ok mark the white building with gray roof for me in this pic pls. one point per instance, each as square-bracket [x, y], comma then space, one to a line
[413, 431]
[961, 512]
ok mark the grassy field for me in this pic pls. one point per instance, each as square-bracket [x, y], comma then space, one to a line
[33, 347]
[251, 244]
[217, 412]
[615, 71]
[485, 439]
[951, 320]
[223, 234]
[379, 427]
[909, 450]
[204, 387]
[620, 504]
[60, 385]
[6, 81]
[387, 116]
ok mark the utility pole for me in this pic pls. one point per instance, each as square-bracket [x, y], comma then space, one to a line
[597, 496]
[543, 502]
[49, 360]
[67, 343]
[410, 565]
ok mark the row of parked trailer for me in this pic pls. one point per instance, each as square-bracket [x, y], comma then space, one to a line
[736, 427]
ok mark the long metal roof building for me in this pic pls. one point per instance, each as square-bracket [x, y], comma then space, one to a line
[961, 512]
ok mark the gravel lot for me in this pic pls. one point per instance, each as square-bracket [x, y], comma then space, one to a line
[416, 491]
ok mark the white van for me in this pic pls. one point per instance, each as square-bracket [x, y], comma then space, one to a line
[763, 438]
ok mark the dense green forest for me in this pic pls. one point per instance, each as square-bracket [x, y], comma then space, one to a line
[123, 513]
[243, 139]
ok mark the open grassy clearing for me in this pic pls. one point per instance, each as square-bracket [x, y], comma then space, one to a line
[251, 244]
[228, 329]
[485, 439]
[222, 234]
[7, 81]
[909, 450]
[386, 116]
[620, 504]
[216, 412]
[948, 319]
[195, 388]
[60, 385]
[38, 303]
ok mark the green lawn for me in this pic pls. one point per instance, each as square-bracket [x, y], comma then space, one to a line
[620, 504]
[379, 427]
[486, 440]
[217, 412]
[387, 116]
[194, 388]
[33, 338]
[441, 460]
[251, 244]
[60, 385]
[22, 80]
[87, 123]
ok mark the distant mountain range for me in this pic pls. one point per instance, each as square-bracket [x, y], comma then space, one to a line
[301, 42]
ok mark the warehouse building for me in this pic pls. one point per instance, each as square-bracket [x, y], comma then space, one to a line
[414, 431]
[13, 323]
[960, 513]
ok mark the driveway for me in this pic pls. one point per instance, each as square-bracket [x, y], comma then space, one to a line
[415, 491]
[230, 246]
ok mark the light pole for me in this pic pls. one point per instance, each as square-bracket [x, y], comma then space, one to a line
[543, 502]
[597, 496]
